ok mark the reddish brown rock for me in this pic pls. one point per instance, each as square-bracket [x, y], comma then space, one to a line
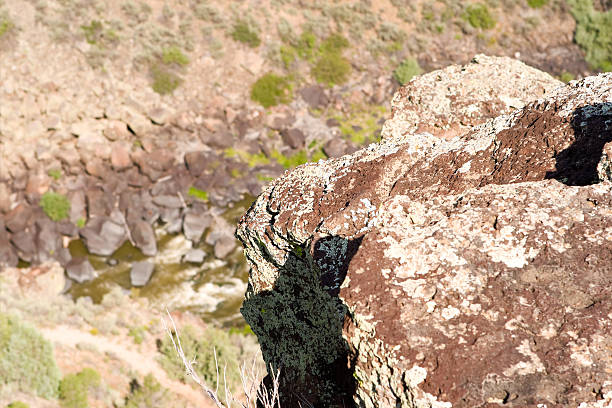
[423, 272]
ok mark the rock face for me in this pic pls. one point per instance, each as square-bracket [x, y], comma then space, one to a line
[425, 272]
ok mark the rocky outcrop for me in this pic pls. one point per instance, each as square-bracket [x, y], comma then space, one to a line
[425, 272]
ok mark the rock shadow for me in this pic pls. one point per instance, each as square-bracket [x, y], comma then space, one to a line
[577, 165]
[299, 324]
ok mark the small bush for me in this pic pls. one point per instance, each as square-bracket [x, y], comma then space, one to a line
[138, 333]
[26, 359]
[406, 70]
[55, 205]
[164, 80]
[197, 193]
[537, 3]
[478, 16]
[287, 55]
[173, 55]
[74, 388]
[55, 174]
[203, 346]
[334, 43]
[306, 44]
[270, 90]
[243, 33]
[6, 25]
[331, 68]
[593, 33]
[149, 394]
[17, 404]
[566, 77]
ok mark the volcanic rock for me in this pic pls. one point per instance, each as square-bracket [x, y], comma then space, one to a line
[80, 270]
[423, 272]
[194, 256]
[194, 225]
[103, 235]
[141, 273]
[144, 237]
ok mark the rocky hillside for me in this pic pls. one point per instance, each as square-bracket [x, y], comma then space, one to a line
[463, 261]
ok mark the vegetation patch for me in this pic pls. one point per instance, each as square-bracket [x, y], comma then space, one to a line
[593, 33]
[55, 174]
[537, 3]
[74, 388]
[361, 125]
[26, 358]
[479, 16]
[271, 89]
[243, 32]
[149, 394]
[164, 80]
[56, 206]
[407, 69]
[197, 193]
[204, 346]
[174, 55]
[6, 25]
[331, 69]
[17, 404]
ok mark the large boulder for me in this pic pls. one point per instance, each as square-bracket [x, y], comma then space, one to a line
[424, 272]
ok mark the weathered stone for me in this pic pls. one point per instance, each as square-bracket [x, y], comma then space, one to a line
[120, 157]
[8, 257]
[78, 205]
[99, 202]
[335, 147]
[294, 138]
[194, 256]
[224, 246]
[449, 102]
[19, 218]
[144, 237]
[25, 244]
[194, 225]
[604, 167]
[168, 201]
[141, 273]
[439, 273]
[80, 270]
[314, 96]
[5, 198]
[103, 236]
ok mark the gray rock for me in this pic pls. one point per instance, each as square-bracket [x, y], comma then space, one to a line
[144, 237]
[19, 217]
[197, 162]
[194, 256]
[25, 243]
[141, 273]
[294, 138]
[8, 257]
[80, 270]
[168, 201]
[194, 225]
[335, 147]
[224, 246]
[103, 236]
[314, 96]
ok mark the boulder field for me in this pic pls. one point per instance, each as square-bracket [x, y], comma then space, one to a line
[463, 261]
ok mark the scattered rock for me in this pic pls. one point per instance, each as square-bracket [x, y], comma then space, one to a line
[194, 256]
[144, 238]
[224, 246]
[168, 201]
[120, 157]
[103, 236]
[141, 273]
[80, 270]
[295, 138]
[194, 225]
[314, 96]
[8, 257]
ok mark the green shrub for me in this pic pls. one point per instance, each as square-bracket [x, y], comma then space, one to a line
[6, 24]
[197, 193]
[593, 33]
[331, 68]
[26, 359]
[334, 43]
[537, 3]
[174, 55]
[478, 16]
[138, 333]
[92, 31]
[55, 205]
[287, 55]
[73, 388]
[55, 174]
[306, 45]
[406, 70]
[566, 76]
[164, 80]
[148, 395]
[243, 33]
[271, 89]
[204, 347]
[17, 404]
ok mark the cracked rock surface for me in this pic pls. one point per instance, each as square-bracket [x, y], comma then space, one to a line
[428, 271]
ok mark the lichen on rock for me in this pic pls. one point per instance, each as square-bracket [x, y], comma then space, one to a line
[438, 271]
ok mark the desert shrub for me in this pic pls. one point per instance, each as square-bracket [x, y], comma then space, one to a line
[244, 33]
[479, 16]
[26, 358]
[206, 12]
[55, 205]
[55, 174]
[331, 68]
[537, 3]
[287, 55]
[148, 395]
[197, 193]
[270, 90]
[334, 43]
[593, 33]
[17, 404]
[73, 388]
[566, 76]
[306, 44]
[204, 347]
[164, 80]
[6, 24]
[406, 70]
[139, 12]
[174, 55]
